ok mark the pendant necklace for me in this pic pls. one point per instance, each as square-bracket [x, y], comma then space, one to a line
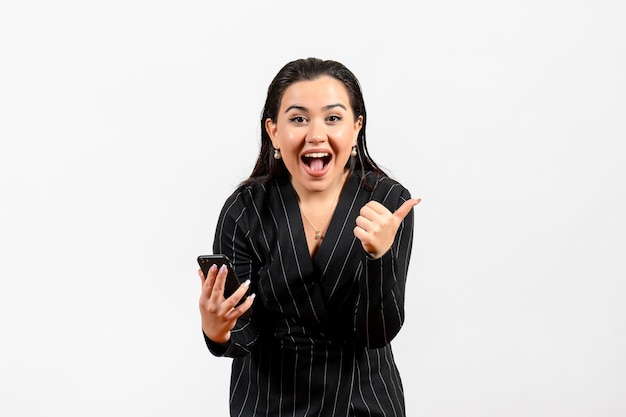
[318, 231]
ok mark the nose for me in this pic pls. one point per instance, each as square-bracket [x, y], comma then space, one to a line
[316, 133]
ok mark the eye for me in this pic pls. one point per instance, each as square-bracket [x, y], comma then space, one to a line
[333, 118]
[298, 119]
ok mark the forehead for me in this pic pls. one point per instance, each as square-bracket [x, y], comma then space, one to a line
[319, 92]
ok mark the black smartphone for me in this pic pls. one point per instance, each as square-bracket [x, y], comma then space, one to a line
[232, 282]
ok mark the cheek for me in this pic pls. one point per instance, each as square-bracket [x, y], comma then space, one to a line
[290, 137]
[345, 137]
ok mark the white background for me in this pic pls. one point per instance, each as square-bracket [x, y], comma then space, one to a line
[125, 124]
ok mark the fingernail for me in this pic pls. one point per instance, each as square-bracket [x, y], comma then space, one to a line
[223, 268]
[213, 268]
[247, 283]
[252, 296]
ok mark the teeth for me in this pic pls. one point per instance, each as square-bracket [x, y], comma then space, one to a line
[316, 155]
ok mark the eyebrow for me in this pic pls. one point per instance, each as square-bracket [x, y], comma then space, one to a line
[325, 108]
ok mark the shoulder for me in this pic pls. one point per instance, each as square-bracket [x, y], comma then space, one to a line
[385, 189]
[381, 183]
[240, 196]
[252, 196]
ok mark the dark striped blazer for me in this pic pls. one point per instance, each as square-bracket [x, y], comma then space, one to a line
[318, 340]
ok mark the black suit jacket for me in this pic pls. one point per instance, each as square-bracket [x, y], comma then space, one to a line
[318, 340]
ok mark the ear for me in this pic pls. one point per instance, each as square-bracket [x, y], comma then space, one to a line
[358, 124]
[271, 128]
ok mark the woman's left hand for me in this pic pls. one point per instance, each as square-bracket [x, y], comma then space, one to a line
[376, 226]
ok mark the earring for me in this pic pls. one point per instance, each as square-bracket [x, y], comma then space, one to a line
[353, 153]
[277, 154]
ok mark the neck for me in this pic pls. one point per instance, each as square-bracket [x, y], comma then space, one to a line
[309, 197]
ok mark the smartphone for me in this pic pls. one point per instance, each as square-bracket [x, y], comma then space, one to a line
[232, 282]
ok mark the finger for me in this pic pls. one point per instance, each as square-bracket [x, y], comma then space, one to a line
[246, 305]
[217, 293]
[373, 215]
[232, 301]
[243, 307]
[364, 223]
[361, 234]
[208, 281]
[406, 207]
[375, 207]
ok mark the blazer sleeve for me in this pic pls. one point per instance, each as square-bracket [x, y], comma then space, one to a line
[230, 240]
[380, 304]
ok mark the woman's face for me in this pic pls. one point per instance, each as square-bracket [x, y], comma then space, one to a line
[315, 131]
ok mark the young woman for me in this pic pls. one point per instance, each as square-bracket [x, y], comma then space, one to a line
[321, 237]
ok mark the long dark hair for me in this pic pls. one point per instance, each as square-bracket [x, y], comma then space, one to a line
[267, 167]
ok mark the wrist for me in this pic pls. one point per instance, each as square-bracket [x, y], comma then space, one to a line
[217, 338]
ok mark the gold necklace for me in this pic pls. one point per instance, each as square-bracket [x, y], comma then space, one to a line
[318, 231]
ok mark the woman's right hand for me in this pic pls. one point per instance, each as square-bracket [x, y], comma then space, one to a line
[219, 314]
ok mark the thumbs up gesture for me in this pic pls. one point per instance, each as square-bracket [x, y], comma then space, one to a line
[376, 226]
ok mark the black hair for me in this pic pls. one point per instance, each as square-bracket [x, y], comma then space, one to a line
[307, 69]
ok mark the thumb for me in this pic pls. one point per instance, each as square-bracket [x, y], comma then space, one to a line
[406, 207]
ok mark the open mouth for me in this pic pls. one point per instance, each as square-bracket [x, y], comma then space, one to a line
[316, 161]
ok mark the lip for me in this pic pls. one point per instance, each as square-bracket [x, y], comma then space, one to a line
[319, 173]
